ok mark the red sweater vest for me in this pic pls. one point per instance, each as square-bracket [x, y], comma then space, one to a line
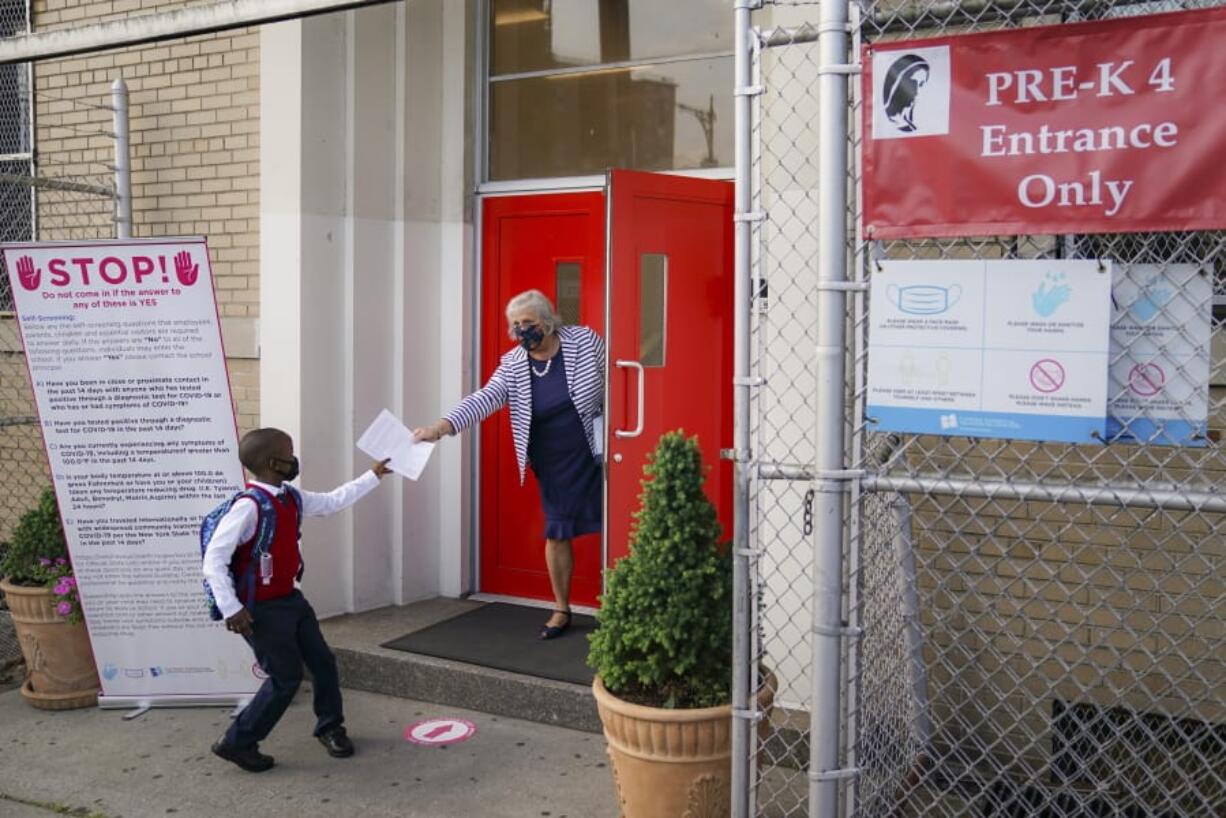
[286, 559]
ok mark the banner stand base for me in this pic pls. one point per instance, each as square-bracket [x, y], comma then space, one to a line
[137, 713]
[140, 705]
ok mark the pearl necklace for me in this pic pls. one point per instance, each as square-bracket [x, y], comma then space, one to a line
[541, 372]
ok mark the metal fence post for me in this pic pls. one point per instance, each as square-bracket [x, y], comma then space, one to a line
[31, 125]
[742, 658]
[123, 166]
[830, 476]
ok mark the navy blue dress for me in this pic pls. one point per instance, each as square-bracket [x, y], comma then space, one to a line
[569, 477]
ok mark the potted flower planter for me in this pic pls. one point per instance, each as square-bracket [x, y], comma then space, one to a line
[41, 591]
[59, 662]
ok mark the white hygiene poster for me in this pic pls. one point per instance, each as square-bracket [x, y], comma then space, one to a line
[1008, 349]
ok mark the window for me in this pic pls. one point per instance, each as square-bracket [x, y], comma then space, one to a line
[653, 308]
[567, 282]
[580, 86]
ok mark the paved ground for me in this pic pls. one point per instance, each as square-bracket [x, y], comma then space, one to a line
[12, 809]
[96, 764]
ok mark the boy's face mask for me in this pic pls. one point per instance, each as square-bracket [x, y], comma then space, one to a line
[289, 473]
[529, 336]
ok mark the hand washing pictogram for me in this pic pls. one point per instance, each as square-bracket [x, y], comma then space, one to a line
[1051, 295]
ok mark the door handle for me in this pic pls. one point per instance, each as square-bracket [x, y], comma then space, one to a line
[637, 430]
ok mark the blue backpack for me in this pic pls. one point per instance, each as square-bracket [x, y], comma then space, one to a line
[265, 530]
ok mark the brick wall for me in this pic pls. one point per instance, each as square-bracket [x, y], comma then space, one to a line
[194, 124]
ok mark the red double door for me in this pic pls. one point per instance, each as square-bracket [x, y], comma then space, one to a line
[664, 308]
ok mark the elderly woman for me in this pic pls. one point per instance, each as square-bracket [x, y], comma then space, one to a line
[554, 383]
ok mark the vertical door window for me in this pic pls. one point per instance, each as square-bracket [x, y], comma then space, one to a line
[567, 288]
[653, 291]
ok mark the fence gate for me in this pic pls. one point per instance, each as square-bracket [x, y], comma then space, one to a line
[952, 626]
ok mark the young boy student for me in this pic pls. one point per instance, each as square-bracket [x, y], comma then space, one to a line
[272, 615]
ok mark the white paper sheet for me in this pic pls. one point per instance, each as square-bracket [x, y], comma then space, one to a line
[388, 437]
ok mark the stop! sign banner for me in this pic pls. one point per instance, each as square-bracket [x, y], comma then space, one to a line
[1104, 127]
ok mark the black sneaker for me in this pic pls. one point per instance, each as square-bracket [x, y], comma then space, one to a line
[249, 758]
[337, 742]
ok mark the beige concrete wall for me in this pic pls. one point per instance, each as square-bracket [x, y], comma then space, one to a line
[195, 131]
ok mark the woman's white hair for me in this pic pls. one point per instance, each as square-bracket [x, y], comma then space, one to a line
[541, 308]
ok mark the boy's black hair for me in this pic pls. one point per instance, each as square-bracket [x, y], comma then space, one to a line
[258, 445]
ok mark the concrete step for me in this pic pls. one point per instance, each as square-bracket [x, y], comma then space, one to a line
[355, 639]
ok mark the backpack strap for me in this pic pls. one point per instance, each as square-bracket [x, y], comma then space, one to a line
[265, 527]
[297, 497]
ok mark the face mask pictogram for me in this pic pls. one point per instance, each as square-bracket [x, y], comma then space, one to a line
[923, 299]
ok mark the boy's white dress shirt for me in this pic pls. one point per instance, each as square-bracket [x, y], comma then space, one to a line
[238, 526]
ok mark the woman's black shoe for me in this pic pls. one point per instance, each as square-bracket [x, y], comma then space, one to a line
[554, 631]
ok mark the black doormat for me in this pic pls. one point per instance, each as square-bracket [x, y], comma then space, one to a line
[504, 636]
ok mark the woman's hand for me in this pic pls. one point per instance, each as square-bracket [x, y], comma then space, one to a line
[431, 433]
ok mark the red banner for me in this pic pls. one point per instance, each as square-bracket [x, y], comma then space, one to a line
[1105, 127]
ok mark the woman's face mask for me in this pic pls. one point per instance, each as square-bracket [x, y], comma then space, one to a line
[529, 336]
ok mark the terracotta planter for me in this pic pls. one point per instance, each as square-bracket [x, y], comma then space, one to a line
[670, 763]
[60, 672]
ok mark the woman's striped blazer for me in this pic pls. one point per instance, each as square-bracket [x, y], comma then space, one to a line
[584, 352]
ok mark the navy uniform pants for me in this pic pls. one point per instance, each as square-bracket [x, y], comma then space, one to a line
[285, 636]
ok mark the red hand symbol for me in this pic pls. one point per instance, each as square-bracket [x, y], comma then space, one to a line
[185, 270]
[27, 273]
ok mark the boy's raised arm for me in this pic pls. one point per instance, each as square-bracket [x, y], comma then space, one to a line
[319, 504]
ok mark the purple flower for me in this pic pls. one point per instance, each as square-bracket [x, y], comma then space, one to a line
[44, 562]
[61, 561]
[69, 582]
[61, 588]
[64, 608]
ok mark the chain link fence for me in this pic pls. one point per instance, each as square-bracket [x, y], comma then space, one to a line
[16, 138]
[56, 150]
[1032, 629]
[71, 200]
